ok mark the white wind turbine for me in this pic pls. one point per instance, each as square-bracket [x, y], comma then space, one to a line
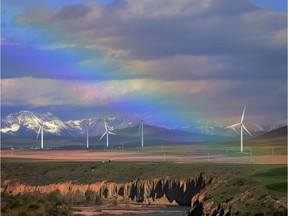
[107, 132]
[141, 127]
[41, 128]
[242, 126]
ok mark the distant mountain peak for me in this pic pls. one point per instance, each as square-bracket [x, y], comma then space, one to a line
[27, 123]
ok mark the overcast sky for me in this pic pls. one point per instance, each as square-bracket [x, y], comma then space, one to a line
[182, 61]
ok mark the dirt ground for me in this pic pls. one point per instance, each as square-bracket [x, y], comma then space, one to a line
[86, 155]
[126, 209]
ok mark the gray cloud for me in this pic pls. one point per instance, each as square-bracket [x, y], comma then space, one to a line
[247, 36]
[72, 12]
[214, 98]
[192, 57]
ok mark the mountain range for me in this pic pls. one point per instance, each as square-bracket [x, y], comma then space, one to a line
[27, 123]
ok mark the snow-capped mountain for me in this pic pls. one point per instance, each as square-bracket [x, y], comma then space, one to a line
[223, 131]
[26, 123]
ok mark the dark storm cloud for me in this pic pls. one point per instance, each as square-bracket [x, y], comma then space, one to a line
[248, 40]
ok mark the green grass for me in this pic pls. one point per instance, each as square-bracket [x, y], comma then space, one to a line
[48, 172]
[282, 171]
[258, 146]
[276, 174]
[281, 187]
[45, 172]
[53, 203]
[255, 183]
[230, 180]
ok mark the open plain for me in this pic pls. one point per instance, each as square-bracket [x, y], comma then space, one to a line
[86, 155]
[116, 182]
[199, 179]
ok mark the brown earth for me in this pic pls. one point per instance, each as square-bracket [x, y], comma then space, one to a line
[127, 209]
[85, 155]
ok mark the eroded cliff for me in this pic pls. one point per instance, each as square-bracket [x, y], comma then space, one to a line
[161, 190]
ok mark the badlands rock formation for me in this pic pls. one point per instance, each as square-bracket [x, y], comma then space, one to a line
[163, 190]
[188, 192]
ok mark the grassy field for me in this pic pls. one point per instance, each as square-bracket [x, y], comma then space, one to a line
[45, 172]
[230, 180]
[42, 172]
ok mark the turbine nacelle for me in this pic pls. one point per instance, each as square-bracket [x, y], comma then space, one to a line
[240, 125]
[141, 119]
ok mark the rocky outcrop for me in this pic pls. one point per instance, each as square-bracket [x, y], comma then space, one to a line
[162, 190]
[199, 207]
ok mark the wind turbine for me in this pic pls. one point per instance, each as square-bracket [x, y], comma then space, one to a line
[107, 132]
[141, 127]
[41, 128]
[242, 126]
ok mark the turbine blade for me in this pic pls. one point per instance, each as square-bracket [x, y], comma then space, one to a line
[38, 132]
[246, 129]
[234, 125]
[112, 133]
[235, 130]
[105, 124]
[103, 135]
[242, 118]
[146, 117]
[137, 115]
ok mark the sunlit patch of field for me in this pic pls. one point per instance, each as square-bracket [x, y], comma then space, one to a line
[172, 153]
[264, 151]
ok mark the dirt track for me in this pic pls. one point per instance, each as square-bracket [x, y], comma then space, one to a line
[85, 155]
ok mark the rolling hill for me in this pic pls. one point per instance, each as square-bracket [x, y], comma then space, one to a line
[279, 132]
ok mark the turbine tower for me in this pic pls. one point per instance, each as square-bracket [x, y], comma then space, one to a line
[242, 126]
[107, 132]
[41, 129]
[87, 139]
[141, 127]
